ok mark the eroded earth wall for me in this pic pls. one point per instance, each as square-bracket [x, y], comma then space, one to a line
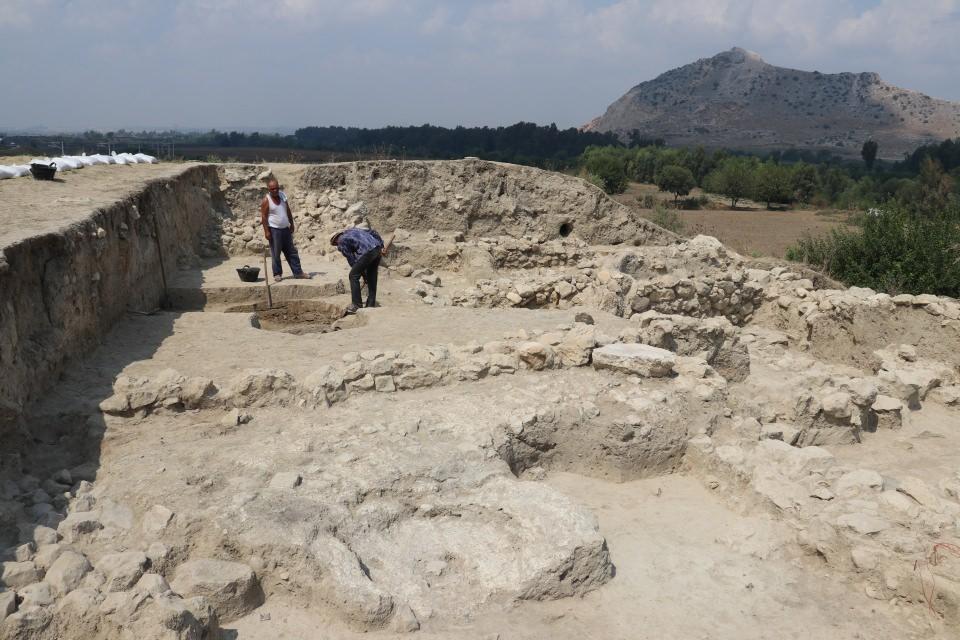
[485, 198]
[60, 292]
[473, 197]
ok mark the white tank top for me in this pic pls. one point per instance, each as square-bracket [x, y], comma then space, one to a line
[278, 218]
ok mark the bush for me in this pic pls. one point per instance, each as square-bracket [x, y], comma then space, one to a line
[694, 203]
[647, 201]
[892, 250]
[668, 219]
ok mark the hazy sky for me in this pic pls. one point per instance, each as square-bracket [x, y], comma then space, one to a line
[76, 64]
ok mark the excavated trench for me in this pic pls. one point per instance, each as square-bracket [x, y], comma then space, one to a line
[371, 488]
[300, 317]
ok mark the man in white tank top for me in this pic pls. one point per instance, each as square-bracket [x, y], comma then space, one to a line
[277, 220]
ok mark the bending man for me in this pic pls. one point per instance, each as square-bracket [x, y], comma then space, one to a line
[362, 248]
[277, 220]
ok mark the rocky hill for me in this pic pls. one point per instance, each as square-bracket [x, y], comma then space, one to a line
[735, 99]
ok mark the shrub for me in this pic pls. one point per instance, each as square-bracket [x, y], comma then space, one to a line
[647, 201]
[694, 203]
[668, 219]
[891, 250]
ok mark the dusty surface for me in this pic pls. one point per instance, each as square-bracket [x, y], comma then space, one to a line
[30, 207]
[531, 437]
[735, 587]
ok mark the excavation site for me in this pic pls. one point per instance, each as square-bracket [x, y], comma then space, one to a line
[559, 421]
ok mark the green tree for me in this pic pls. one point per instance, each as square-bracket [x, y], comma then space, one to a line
[733, 178]
[935, 185]
[773, 184]
[806, 181]
[609, 166]
[676, 180]
[835, 181]
[869, 153]
[644, 164]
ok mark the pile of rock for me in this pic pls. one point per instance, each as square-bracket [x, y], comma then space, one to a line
[64, 575]
[544, 289]
[728, 294]
[856, 519]
[530, 253]
[715, 340]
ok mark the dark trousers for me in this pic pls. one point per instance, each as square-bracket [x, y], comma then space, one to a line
[366, 267]
[281, 241]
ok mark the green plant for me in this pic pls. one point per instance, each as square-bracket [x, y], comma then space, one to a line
[734, 178]
[676, 180]
[694, 203]
[646, 201]
[668, 219]
[773, 184]
[893, 250]
[608, 164]
[869, 153]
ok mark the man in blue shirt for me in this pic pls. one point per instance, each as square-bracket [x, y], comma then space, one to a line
[363, 249]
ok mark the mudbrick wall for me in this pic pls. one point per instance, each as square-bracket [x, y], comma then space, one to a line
[60, 292]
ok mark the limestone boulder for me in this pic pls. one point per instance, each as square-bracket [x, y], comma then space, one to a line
[67, 572]
[636, 359]
[231, 588]
[15, 575]
[122, 570]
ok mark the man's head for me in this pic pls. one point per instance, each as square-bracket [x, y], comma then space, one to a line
[336, 236]
[273, 186]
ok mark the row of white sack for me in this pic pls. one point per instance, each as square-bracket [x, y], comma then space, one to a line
[70, 163]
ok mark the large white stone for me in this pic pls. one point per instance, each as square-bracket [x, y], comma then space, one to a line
[122, 570]
[638, 359]
[231, 588]
[67, 572]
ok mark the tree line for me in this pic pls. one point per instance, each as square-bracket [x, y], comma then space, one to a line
[928, 176]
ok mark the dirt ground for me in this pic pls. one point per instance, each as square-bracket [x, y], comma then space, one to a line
[674, 581]
[42, 206]
[751, 229]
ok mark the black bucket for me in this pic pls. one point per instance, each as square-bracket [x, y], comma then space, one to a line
[43, 171]
[248, 273]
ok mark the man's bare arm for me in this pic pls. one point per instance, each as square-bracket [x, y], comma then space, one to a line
[289, 214]
[264, 218]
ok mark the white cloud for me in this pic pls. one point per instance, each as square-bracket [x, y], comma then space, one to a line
[19, 14]
[906, 27]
